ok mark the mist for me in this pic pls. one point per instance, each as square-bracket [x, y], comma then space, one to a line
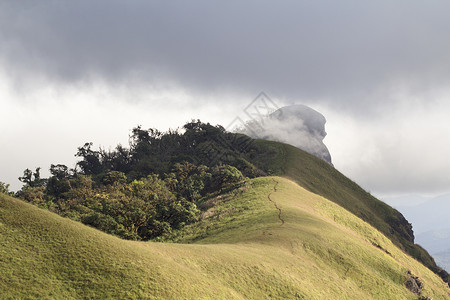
[297, 125]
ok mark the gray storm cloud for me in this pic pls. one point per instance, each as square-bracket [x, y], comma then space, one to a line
[379, 71]
[297, 125]
[348, 54]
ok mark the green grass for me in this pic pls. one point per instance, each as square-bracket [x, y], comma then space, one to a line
[320, 178]
[240, 249]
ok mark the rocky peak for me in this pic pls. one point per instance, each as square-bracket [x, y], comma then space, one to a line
[297, 125]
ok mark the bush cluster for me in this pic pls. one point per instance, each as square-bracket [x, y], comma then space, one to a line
[147, 189]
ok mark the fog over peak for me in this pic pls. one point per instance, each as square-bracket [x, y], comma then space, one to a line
[297, 125]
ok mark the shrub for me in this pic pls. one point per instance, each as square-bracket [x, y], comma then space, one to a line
[225, 176]
[4, 189]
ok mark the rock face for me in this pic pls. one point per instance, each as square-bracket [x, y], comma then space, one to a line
[297, 125]
[414, 284]
[403, 227]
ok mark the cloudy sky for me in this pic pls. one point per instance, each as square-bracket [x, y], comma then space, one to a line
[77, 71]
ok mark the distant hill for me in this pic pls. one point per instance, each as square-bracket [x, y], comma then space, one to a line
[437, 242]
[271, 238]
[443, 258]
[429, 214]
[429, 218]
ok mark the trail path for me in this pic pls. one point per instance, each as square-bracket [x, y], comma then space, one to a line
[274, 203]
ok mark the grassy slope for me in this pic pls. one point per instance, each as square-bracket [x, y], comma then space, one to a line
[318, 177]
[239, 250]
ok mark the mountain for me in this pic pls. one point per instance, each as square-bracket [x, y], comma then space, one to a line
[437, 242]
[308, 233]
[428, 216]
[297, 125]
[443, 258]
[405, 201]
[319, 177]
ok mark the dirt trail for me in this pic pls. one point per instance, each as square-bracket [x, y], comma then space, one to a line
[274, 203]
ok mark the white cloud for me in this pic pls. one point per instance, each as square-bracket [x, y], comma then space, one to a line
[403, 151]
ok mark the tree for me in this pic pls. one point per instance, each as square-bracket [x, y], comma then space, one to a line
[116, 160]
[35, 195]
[225, 175]
[189, 180]
[114, 178]
[4, 189]
[91, 163]
[32, 179]
[34, 187]
[58, 184]
[59, 171]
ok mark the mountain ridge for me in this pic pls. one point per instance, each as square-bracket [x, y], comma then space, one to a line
[320, 178]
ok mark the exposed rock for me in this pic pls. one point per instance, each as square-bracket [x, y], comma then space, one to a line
[297, 125]
[444, 275]
[403, 227]
[414, 284]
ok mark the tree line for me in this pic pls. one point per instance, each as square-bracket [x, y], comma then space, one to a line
[151, 187]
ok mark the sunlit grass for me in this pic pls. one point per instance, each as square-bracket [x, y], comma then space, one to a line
[239, 250]
[319, 177]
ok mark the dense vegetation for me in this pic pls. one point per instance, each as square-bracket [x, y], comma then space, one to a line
[148, 189]
[4, 189]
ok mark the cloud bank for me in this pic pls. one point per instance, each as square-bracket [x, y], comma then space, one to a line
[348, 54]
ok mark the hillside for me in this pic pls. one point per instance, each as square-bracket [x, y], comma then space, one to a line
[437, 242]
[443, 258]
[433, 233]
[271, 238]
[320, 178]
